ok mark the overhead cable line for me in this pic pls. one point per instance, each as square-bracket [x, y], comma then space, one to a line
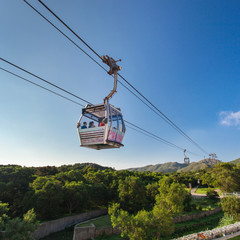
[160, 113]
[136, 128]
[169, 121]
[54, 85]
[38, 85]
[88, 55]
[91, 57]
[150, 135]
[64, 35]
[69, 28]
[157, 137]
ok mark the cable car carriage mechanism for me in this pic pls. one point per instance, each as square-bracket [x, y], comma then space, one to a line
[110, 129]
[186, 159]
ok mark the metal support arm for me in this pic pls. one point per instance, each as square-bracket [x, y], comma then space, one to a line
[114, 68]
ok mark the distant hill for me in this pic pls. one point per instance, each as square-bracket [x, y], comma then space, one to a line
[165, 167]
[205, 163]
[179, 167]
[237, 161]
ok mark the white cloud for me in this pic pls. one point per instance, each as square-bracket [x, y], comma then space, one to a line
[230, 118]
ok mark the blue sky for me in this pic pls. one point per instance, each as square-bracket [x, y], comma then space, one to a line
[182, 55]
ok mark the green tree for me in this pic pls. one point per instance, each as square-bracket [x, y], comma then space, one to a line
[153, 224]
[46, 171]
[231, 206]
[14, 183]
[72, 175]
[48, 197]
[151, 193]
[99, 195]
[212, 194]
[16, 228]
[138, 227]
[132, 194]
[3, 215]
[21, 229]
[169, 202]
[75, 196]
[207, 179]
[226, 176]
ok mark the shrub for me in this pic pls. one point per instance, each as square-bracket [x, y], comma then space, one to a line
[231, 206]
[199, 207]
[212, 194]
[226, 220]
[21, 229]
[187, 203]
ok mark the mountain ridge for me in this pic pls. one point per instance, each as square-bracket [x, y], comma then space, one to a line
[236, 161]
[177, 167]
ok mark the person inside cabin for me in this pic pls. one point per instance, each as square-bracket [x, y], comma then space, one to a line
[91, 124]
[103, 122]
[84, 125]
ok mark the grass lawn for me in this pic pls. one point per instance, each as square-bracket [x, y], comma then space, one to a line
[212, 218]
[197, 225]
[104, 221]
[202, 190]
[206, 203]
[67, 234]
[235, 238]
[100, 222]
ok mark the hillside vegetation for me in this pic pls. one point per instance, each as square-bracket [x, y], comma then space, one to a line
[145, 200]
[165, 167]
[236, 161]
[177, 167]
[205, 163]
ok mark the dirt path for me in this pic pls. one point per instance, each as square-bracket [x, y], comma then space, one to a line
[193, 192]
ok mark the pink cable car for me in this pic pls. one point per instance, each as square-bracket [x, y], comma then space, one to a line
[110, 128]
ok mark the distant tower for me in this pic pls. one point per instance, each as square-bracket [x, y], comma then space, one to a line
[186, 159]
[212, 156]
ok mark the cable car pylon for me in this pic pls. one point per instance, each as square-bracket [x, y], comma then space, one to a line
[110, 128]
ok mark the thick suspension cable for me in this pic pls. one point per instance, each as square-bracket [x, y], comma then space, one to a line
[55, 15]
[161, 114]
[136, 128]
[87, 54]
[64, 35]
[165, 118]
[91, 58]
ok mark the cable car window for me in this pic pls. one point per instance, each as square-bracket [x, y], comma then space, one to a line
[121, 125]
[114, 120]
[92, 117]
[95, 114]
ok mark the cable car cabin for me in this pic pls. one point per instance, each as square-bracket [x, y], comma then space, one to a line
[109, 130]
[186, 160]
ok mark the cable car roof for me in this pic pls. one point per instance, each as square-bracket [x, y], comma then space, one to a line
[98, 111]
